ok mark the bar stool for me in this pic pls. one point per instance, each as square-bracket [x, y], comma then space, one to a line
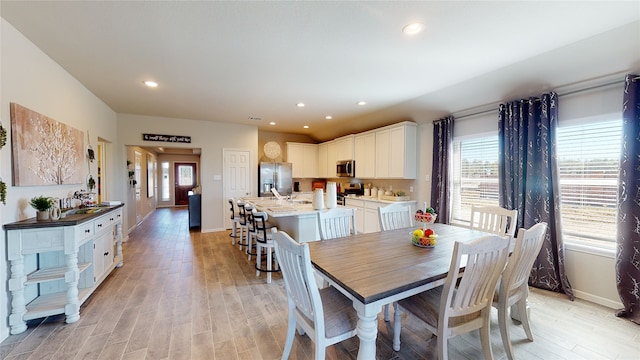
[235, 220]
[251, 234]
[264, 240]
[244, 224]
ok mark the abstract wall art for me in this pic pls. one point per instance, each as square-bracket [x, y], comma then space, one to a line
[45, 151]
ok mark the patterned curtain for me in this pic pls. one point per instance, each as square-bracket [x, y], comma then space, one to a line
[442, 148]
[628, 252]
[528, 181]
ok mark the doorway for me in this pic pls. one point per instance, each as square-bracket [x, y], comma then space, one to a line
[185, 181]
[237, 177]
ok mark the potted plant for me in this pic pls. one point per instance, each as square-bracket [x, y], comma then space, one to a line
[42, 204]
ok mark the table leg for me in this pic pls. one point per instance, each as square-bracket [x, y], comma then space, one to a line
[367, 332]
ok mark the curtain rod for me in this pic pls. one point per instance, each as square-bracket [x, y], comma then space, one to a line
[562, 91]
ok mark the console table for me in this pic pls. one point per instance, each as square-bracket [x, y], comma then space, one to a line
[56, 264]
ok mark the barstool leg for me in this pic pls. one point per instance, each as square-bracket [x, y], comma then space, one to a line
[258, 257]
[269, 265]
[234, 232]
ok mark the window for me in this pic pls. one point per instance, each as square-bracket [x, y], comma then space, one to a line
[588, 162]
[475, 176]
[166, 195]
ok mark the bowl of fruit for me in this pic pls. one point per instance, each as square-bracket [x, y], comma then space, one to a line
[428, 215]
[424, 238]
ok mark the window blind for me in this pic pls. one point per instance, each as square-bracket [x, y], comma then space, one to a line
[474, 177]
[588, 161]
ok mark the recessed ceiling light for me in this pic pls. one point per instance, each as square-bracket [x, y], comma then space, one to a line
[300, 104]
[412, 29]
[272, 123]
[362, 103]
[328, 117]
[306, 126]
[151, 84]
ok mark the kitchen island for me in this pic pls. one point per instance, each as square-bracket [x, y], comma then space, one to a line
[300, 220]
[297, 217]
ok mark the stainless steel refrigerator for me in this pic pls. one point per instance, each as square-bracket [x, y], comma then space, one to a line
[274, 175]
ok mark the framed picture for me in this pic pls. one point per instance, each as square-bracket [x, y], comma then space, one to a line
[150, 175]
[45, 151]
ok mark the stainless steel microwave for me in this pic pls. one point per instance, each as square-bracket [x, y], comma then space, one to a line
[346, 168]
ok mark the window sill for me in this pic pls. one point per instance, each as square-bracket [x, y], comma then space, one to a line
[608, 251]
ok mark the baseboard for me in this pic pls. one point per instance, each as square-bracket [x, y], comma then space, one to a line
[597, 299]
[212, 230]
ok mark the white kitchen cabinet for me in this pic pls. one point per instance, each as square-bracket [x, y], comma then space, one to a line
[55, 265]
[344, 148]
[396, 151]
[323, 171]
[304, 159]
[357, 204]
[332, 158]
[364, 155]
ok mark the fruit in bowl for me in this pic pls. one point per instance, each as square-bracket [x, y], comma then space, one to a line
[425, 240]
[426, 217]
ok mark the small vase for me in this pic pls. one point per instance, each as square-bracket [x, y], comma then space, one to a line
[42, 215]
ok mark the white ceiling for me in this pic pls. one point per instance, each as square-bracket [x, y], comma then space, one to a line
[229, 61]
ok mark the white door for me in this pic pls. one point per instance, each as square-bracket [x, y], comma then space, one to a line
[237, 178]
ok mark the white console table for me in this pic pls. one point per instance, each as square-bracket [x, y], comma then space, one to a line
[57, 264]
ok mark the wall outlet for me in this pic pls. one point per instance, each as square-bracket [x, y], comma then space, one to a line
[217, 177]
[410, 189]
[427, 177]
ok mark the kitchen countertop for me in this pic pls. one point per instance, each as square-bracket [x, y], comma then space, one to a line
[281, 208]
[372, 198]
[78, 217]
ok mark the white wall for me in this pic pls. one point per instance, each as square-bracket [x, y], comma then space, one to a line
[209, 136]
[30, 78]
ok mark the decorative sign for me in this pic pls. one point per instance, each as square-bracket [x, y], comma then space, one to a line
[167, 138]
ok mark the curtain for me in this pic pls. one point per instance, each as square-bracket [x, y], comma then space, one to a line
[528, 181]
[440, 188]
[628, 239]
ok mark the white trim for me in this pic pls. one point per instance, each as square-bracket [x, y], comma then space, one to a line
[590, 249]
[597, 299]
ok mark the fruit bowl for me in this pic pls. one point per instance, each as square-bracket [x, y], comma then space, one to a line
[426, 217]
[424, 241]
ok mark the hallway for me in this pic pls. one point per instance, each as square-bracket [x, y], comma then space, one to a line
[187, 295]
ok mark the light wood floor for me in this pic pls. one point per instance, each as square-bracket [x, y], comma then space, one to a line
[186, 295]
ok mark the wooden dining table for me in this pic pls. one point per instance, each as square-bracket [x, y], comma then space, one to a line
[379, 268]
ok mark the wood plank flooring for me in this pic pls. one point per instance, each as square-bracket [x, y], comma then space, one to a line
[187, 295]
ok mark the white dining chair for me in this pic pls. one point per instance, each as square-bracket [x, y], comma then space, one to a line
[494, 219]
[337, 222]
[325, 315]
[514, 287]
[392, 217]
[463, 303]
[395, 216]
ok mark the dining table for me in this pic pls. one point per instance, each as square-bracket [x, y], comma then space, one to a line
[376, 269]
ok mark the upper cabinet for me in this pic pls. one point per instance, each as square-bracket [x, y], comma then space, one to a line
[323, 169]
[396, 151]
[303, 159]
[344, 148]
[364, 151]
[332, 158]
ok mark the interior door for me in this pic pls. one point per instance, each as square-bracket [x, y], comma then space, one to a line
[185, 176]
[237, 177]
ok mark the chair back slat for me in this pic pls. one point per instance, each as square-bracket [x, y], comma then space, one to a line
[337, 222]
[485, 260]
[494, 219]
[260, 225]
[395, 216]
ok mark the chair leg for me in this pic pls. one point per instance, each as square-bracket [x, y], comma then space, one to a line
[397, 326]
[234, 232]
[258, 259]
[525, 317]
[443, 353]
[386, 313]
[240, 237]
[249, 246]
[485, 339]
[291, 332]
[504, 330]
[269, 261]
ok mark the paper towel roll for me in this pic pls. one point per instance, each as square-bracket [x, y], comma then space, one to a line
[332, 193]
[318, 199]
